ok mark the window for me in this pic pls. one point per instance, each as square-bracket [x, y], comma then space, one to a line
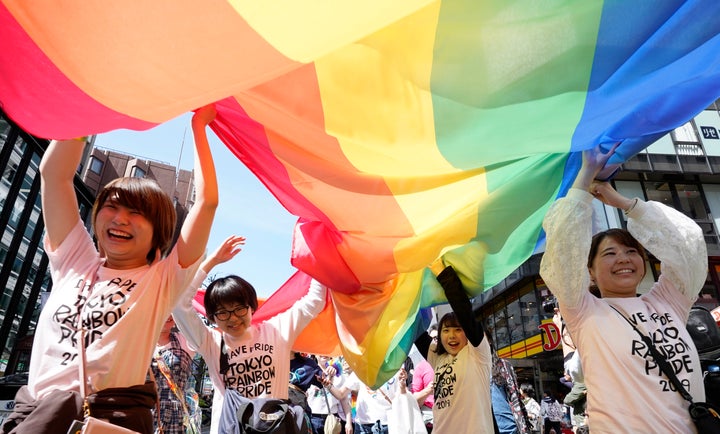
[691, 202]
[96, 166]
[692, 149]
[137, 172]
[685, 133]
[514, 321]
[530, 315]
[9, 173]
[4, 130]
[502, 334]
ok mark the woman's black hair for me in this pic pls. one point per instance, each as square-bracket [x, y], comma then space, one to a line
[528, 389]
[228, 290]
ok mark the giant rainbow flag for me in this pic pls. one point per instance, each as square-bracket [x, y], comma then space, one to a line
[398, 131]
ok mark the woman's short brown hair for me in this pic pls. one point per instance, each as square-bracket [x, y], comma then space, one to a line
[145, 196]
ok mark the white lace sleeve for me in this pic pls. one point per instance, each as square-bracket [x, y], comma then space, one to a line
[568, 226]
[676, 240]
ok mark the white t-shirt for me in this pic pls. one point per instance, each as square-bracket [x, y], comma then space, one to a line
[122, 317]
[318, 404]
[260, 364]
[463, 403]
[626, 390]
[372, 405]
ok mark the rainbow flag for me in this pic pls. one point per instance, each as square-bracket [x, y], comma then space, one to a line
[399, 132]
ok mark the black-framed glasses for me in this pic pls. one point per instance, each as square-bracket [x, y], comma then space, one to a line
[224, 315]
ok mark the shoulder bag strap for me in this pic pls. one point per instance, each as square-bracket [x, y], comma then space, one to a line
[327, 401]
[224, 360]
[659, 359]
[83, 358]
[438, 384]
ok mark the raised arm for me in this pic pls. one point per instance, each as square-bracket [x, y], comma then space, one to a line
[196, 229]
[461, 305]
[59, 203]
[185, 315]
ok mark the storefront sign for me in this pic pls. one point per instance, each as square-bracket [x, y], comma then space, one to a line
[552, 335]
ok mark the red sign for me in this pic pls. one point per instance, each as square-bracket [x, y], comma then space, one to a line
[553, 335]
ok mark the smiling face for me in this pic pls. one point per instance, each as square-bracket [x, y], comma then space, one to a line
[452, 337]
[124, 235]
[233, 318]
[617, 265]
[138, 196]
[230, 302]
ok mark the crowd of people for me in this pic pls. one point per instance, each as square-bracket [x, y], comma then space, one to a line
[118, 333]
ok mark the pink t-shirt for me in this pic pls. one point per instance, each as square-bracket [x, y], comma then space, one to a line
[423, 375]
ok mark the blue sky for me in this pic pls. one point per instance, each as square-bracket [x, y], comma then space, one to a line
[246, 207]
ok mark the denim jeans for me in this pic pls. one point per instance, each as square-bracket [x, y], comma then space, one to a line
[318, 424]
[370, 428]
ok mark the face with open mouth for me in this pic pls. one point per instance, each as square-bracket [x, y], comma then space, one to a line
[453, 338]
[124, 235]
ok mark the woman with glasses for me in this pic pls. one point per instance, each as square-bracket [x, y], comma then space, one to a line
[252, 359]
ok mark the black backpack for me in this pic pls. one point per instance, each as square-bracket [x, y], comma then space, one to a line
[705, 333]
[267, 415]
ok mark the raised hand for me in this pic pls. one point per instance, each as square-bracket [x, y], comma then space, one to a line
[225, 252]
[593, 161]
[402, 380]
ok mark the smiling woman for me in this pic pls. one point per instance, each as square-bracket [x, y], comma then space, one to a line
[462, 363]
[111, 301]
[250, 359]
[615, 261]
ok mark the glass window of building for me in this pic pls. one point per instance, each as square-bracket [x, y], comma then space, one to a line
[685, 133]
[659, 192]
[514, 318]
[4, 129]
[708, 294]
[691, 202]
[502, 333]
[137, 172]
[96, 165]
[529, 310]
[9, 173]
